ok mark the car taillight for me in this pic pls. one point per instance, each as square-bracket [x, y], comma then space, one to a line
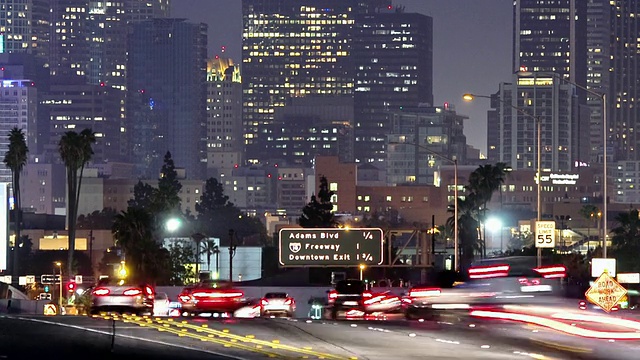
[366, 294]
[288, 301]
[132, 292]
[184, 298]
[264, 302]
[101, 292]
[582, 305]
[552, 272]
[424, 292]
[487, 272]
[148, 290]
[333, 295]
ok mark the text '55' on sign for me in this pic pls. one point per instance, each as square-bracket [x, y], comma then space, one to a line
[545, 234]
[330, 247]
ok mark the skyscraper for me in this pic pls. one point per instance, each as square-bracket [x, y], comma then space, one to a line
[166, 84]
[24, 27]
[225, 145]
[292, 49]
[393, 58]
[551, 36]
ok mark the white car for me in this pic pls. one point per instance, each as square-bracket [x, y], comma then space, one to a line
[277, 303]
[161, 304]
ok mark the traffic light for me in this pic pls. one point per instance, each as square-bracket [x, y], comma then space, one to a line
[46, 288]
[71, 287]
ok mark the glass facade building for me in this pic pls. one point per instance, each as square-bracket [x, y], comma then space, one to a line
[166, 81]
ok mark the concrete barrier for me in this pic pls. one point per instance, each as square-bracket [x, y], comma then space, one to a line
[20, 306]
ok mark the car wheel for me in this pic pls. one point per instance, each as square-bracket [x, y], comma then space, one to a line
[408, 315]
[93, 311]
[334, 314]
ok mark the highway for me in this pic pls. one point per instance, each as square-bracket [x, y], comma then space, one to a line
[450, 337]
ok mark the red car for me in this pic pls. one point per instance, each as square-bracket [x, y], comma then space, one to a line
[211, 297]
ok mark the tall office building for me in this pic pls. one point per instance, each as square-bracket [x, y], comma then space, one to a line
[18, 108]
[544, 98]
[24, 27]
[614, 64]
[225, 145]
[74, 106]
[393, 57]
[292, 49]
[551, 36]
[166, 81]
[141, 10]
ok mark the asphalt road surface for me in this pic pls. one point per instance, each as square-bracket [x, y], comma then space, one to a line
[449, 337]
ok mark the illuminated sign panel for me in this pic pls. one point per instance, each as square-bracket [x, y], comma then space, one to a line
[1, 43]
[4, 224]
[561, 179]
[330, 247]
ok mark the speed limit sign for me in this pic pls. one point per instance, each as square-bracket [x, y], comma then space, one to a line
[545, 234]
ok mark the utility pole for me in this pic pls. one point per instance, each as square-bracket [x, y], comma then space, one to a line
[232, 252]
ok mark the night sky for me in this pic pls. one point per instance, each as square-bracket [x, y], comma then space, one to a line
[472, 47]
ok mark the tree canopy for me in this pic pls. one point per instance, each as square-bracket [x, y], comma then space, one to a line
[318, 213]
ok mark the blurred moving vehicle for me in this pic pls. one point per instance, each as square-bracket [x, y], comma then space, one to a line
[277, 303]
[492, 282]
[350, 298]
[161, 304]
[121, 296]
[210, 296]
[251, 310]
[347, 295]
[419, 302]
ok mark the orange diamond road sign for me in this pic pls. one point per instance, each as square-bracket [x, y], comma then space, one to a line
[606, 292]
[50, 309]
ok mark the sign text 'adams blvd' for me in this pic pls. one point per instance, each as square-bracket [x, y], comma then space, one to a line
[331, 247]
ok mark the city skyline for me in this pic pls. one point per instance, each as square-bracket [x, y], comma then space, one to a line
[460, 66]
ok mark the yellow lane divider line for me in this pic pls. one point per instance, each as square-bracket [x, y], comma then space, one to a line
[251, 339]
[185, 333]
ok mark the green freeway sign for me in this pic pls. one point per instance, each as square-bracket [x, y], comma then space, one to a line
[330, 247]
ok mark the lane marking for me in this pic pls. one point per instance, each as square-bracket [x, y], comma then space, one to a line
[158, 342]
[275, 344]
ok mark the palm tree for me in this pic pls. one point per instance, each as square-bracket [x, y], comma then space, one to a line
[76, 152]
[133, 232]
[210, 247]
[626, 241]
[483, 182]
[15, 159]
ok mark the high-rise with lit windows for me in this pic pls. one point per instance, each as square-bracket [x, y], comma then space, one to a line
[292, 48]
[551, 36]
[24, 27]
[225, 146]
[393, 58]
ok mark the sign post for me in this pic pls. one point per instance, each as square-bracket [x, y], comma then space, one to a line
[319, 247]
[606, 292]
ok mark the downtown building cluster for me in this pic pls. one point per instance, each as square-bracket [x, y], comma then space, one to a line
[322, 85]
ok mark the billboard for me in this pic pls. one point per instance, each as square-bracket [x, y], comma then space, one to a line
[4, 224]
[316, 247]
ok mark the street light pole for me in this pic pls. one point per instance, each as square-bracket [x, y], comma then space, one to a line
[538, 120]
[454, 161]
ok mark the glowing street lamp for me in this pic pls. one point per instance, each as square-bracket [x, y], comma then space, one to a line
[172, 225]
[362, 267]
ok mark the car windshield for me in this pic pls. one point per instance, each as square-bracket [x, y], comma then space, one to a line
[275, 296]
[350, 287]
[161, 296]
